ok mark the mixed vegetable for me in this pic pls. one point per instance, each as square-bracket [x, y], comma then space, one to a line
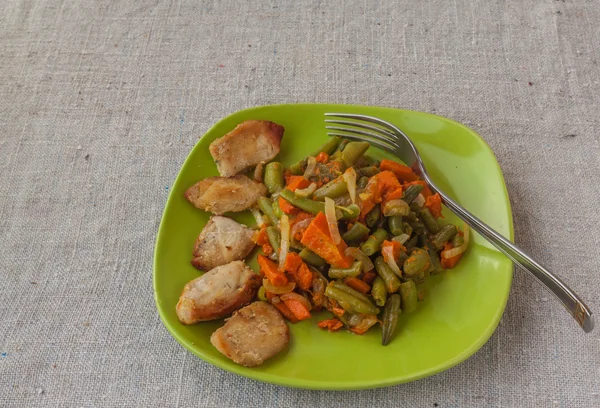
[342, 231]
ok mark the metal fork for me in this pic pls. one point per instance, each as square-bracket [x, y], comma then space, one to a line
[384, 135]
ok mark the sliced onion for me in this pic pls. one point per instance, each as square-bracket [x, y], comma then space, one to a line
[401, 239]
[258, 171]
[343, 201]
[300, 225]
[284, 225]
[299, 298]
[311, 162]
[388, 256]
[359, 255]
[258, 217]
[332, 220]
[305, 192]
[350, 178]
[279, 290]
[396, 207]
[451, 253]
[419, 200]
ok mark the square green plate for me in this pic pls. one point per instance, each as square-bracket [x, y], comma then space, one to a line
[461, 309]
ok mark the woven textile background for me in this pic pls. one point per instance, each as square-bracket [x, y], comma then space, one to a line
[101, 101]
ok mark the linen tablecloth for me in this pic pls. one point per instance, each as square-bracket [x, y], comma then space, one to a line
[101, 101]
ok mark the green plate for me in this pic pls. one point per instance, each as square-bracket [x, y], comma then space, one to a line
[461, 309]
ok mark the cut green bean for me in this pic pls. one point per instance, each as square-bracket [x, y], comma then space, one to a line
[349, 212]
[417, 263]
[354, 151]
[429, 220]
[334, 189]
[367, 171]
[277, 209]
[411, 243]
[372, 218]
[273, 179]
[412, 192]
[408, 293]
[436, 264]
[457, 240]
[418, 227]
[395, 225]
[390, 318]
[265, 206]
[348, 302]
[392, 283]
[447, 232]
[358, 232]
[299, 167]
[274, 238]
[329, 146]
[379, 292]
[311, 258]
[340, 148]
[345, 288]
[373, 243]
[341, 273]
[303, 203]
[407, 228]
[262, 295]
[362, 183]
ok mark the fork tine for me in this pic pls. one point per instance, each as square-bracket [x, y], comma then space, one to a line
[371, 119]
[363, 126]
[364, 133]
[374, 142]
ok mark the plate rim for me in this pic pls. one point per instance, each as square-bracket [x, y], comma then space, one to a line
[331, 385]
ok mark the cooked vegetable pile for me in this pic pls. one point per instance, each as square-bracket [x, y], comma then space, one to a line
[350, 234]
[338, 231]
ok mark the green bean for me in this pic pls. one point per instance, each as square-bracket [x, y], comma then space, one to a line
[396, 207]
[265, 206]
[347, 213]
[298, 167]
[277, 209]
[418, 227]
[311, 258]
[274, 238]
[353, 151]
[447, 232]
[357, 233]
[334, 189]
[303, 203]
[417, 262]
[368, 161]
[412, 216]
[457, 240]
[372, 218]
[414, 207]
[395, 225]
[392, 283]
[411, 243]
[408, 293]
[329, 146]
[295, 244]
[429, 220]
[273, 178]
[262, 294]
[407, 228]
[390, 318]
[348, 302]
[340, 148]
[373, 243]
[362, 183]
[412, 192]
[367, 171]
[340, 273]
[360, 296]
[378, 291]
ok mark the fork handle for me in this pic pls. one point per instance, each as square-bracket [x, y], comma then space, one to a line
[567, 297]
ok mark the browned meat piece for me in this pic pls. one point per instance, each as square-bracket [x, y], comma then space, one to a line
[220, 194]
[221, 241]
[250, 143]
[217, 293]
[252, 335]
